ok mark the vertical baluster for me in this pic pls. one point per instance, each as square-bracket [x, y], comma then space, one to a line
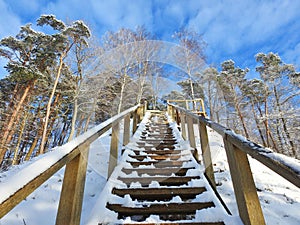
[243, 184]
[183, 125]
[191, 133]
[206, 153]
[113, 156]
[70, 204]
[126, 135]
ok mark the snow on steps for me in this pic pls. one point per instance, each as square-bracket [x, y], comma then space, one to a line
[150, 187]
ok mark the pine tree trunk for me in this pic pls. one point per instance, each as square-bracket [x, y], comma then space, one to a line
[7, 133]
[257, 124]
[289, 140]
[42, 146]
[266, 123]
[16, 152]
[242, 120]
[74, 118]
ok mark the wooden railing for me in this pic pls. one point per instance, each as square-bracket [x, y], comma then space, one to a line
[237, 148]
[73, 155]
[195, 105]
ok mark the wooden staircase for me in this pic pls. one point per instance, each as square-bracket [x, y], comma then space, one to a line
[161, 181]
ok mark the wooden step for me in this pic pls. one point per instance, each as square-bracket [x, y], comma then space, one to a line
[159, 164]
[163, 181]
[158, 171]
[181, 223]
[157, 147]
[159, 194]
[156, 142]
[158, 152]
[155, 157]
[157, 136]
[170, 211]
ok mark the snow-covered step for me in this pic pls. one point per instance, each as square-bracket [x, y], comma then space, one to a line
[158, 152]
[166, 211]
[158, 171]
[156, 157]
[162, 180]
[159, 164]
[159, 194]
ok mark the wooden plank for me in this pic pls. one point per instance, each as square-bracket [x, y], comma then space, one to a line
[191, 133]
[114, 151]
[243, 184]
[206, 154]
[177, 223]
[183, 125]
[159, 194]
[159, 163]
[261, 154]
[70, 204]
[161, 209]
[126, 135]
[135, 121]
[162, 180]
[159, 171]
[156, 157]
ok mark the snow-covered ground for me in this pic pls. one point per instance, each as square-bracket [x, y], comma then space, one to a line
[280, 200]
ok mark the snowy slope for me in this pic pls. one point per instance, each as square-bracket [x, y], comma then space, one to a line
[280, 200]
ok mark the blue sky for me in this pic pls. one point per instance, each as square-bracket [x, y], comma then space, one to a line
[233, 29]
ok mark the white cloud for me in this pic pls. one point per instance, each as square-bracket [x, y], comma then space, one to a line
[9, 22]
[292, 56]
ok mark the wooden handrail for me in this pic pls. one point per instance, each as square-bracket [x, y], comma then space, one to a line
[72, 155]
[237, 147]
[200, 110]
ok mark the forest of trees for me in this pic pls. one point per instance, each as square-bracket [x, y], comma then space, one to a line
[51, 94]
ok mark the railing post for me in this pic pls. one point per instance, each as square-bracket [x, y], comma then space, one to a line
[135, 120]
[70, 203]
[206, 154]
[183, 127]
[145, 108]
[177, 117]
[191, 133]
[113, 156]
[126, 135]
[243, 184]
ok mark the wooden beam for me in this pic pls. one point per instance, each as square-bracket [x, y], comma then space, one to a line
[113, 156]
[206, 154]
[70, 204]
[244, 187]
[191, 133]
[126, 135]
[183, 125]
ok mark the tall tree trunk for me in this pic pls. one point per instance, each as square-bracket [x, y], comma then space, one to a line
[42, 146]
[242, 120]
[16, 155]
[74, 118]
[257, 124]
[6, 134]
[289, 140]
[122, 93]
[267, 127]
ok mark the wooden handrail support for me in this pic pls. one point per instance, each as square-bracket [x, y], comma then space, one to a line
[237, 148]
[200, 110]
[73, 155]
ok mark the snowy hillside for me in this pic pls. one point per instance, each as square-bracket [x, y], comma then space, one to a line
[280, 200]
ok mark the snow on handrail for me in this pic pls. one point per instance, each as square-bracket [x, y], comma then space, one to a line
[35, 173]
[285, 166]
